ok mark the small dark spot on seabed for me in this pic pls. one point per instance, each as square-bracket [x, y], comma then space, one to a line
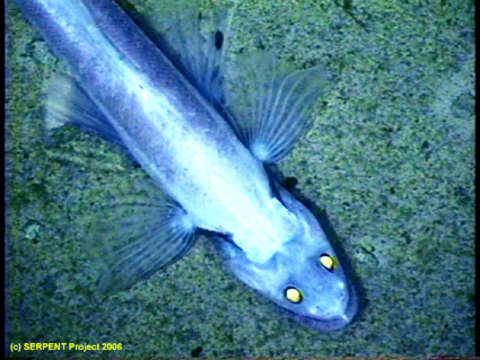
[460, 191]
[197, 352]
[383, 199]
[347, 4]
[407, 237]
[290, 183]
[230, 287]
[462, 195]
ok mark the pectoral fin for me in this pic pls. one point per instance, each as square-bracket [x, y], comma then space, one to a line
[269, 104]
[139, 236]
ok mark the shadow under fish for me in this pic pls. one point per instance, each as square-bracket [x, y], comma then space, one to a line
[204, 131]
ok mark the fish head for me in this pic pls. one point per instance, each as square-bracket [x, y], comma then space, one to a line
[304, 277]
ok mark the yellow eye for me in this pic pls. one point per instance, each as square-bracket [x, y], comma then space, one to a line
[328, 262]
[293, 295]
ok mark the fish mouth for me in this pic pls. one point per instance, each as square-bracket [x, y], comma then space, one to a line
[334, 323]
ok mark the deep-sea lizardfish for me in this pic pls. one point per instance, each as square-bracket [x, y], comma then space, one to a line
[205, 148]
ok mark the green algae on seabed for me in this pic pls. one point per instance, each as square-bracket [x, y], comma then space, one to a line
[390, 160]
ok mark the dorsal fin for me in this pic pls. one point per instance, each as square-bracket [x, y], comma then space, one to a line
[196, 41]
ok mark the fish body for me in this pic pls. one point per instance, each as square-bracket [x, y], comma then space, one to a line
[195, 156]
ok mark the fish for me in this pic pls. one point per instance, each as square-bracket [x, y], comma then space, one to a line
[207, 148]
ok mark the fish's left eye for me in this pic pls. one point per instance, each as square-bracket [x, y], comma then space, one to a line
[293, 295]
[328, 262]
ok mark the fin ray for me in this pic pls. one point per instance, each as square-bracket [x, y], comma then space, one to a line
[68, 104]
[268, 104]
[190, 40]
[138, 238]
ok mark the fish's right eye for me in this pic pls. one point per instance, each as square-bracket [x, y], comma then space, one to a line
[328, 262]
[293, 295]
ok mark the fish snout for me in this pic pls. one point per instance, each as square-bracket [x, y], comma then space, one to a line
[337, 304]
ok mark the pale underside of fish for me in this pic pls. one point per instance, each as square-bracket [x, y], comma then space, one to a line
[205, 145]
